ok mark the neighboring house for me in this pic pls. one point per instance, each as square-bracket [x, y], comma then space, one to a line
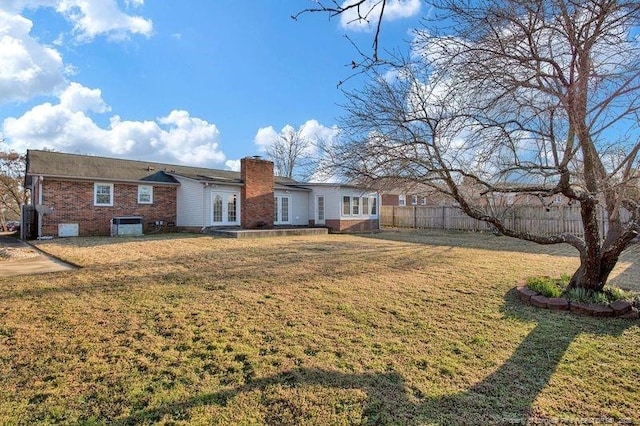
[414, 194]
[82, 195]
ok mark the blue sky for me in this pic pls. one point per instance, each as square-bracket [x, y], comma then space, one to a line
[196, 82]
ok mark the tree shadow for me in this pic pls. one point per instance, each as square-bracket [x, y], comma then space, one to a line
[472, 240]
[627, 278]
[504, 397]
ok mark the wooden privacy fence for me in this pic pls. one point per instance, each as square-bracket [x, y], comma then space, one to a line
[538, 220]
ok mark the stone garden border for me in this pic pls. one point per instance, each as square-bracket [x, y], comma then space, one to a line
[618, 309]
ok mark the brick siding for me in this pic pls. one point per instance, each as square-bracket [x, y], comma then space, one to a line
[352, 225]
[72, 202]
[389, 200]
[256, 194]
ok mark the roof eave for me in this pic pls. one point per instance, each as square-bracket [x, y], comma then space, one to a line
[101, 179]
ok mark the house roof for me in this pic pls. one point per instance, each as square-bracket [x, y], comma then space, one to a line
[338, 185]
[85, 167]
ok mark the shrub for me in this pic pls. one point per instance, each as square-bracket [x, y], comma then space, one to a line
[615, 293]
[608, 295]
[545, 286]
[581, 295]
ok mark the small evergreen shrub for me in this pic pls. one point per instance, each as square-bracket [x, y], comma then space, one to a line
[545, 286]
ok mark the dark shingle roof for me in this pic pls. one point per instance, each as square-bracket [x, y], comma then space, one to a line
[74, 166]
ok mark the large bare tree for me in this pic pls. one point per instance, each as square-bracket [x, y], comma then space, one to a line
[12, 192]
[291, 154]
[535, 97]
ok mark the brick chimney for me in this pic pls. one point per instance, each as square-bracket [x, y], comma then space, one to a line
[256, 196]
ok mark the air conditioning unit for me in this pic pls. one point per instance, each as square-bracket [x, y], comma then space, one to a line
[126, 226]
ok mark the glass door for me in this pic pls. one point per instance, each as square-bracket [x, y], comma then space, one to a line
[281, 214]
[225, 208]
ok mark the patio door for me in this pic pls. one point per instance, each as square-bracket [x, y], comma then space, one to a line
[225, 208]
[282, 212]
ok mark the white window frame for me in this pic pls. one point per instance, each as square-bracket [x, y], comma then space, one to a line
[95, 194]
[225, 197]
[373, 205]
[423, 201]
[321, 218]
[402, 200]
[342, 209]
[414, 200]
[355, 205]
[140, 189]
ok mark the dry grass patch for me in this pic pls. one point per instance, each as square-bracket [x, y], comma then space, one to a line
[392, 328]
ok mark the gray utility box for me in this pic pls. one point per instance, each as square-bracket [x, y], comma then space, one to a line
[126, 226]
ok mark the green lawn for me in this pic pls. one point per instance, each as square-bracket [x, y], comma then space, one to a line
[393, 328]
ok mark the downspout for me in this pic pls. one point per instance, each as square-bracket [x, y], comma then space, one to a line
[205, 187]
[379, 210]
[40, 179]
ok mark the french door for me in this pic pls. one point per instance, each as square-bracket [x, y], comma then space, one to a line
[225, 208]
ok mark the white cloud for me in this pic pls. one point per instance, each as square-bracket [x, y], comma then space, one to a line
[67, 126]
[312, 130]
[366, 17]
[133, 3]
[92, 18]
[317, 132]
[233, 165]
[27, 68]
[265, 137]
[79, 98]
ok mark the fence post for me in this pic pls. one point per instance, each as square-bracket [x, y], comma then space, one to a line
[393, 216]
[415, 217]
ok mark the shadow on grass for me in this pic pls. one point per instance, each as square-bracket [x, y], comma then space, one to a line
[628, 277]
[473, 240]
[504, 397]
[99, 241]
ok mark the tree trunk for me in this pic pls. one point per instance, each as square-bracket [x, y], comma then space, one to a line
[598, 258]
[594, 273]
[590, 275]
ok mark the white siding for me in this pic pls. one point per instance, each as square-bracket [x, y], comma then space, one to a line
[194, 202]
[333, 202]
[299, 207]
[190, 201]
[332, 197]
